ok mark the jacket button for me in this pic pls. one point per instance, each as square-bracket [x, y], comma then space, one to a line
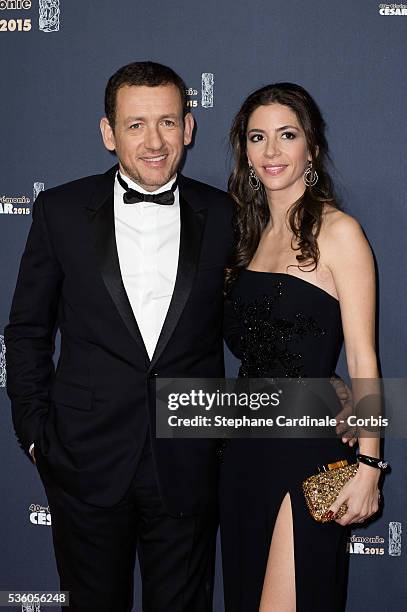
[153, 375]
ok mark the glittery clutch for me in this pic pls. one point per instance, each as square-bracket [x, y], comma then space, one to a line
[322, 489]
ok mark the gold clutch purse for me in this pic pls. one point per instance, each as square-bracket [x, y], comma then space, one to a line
[322, 489]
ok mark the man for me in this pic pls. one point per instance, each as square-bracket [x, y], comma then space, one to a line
[134, 284]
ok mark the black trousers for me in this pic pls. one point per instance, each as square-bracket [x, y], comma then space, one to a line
[95, 550]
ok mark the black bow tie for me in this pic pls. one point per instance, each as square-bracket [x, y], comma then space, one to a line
[131, 196]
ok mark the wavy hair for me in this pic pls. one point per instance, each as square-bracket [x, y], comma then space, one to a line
[252, 212]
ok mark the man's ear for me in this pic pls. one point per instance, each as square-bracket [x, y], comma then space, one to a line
[189, 123]
[107, 134]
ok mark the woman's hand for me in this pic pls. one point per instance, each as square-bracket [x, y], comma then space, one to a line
[360, 494]
[345, 397]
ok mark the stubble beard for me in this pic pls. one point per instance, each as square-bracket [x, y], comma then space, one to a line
[146, 184]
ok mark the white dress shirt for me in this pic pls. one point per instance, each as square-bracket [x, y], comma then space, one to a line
[147, 237]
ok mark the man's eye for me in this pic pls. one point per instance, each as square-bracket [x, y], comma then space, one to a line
[168, 123]
[135, 126]
[256, 138]
[288, 135]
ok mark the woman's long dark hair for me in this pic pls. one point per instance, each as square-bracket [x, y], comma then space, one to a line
[252, 212]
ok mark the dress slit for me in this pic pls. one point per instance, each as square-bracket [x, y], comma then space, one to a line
[286, 493]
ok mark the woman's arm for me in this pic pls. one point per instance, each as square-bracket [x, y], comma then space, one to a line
[348, 256]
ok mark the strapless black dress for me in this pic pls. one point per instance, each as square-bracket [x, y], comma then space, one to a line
[280, 326]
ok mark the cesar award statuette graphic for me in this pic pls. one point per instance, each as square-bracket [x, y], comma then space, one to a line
[207, 89]
[2, 362]
[49, 15]
[394, 538]
[37, 188]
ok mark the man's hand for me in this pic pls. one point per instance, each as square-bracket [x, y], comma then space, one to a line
[345, 396]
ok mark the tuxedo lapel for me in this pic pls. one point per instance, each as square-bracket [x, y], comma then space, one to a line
[101, 215]
[192, 228]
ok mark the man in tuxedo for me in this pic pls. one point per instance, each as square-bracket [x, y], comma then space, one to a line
[129, 266]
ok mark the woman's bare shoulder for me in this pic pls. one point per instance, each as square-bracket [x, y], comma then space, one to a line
[338, 225]
[341, 238]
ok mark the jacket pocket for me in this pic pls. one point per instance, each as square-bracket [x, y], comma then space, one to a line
[71, 395]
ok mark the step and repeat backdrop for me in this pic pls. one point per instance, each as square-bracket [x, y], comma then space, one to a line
[55, 59]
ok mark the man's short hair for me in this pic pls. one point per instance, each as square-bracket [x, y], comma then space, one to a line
[149, 74]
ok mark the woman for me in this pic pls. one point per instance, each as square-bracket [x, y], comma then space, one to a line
[303, 279]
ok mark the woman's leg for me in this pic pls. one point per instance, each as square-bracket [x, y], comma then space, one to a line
[279, 583]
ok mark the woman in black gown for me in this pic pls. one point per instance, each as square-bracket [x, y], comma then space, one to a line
[302, 280]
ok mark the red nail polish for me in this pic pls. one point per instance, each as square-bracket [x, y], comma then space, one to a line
[329, 515]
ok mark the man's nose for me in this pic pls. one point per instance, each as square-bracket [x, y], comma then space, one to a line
[153, 139]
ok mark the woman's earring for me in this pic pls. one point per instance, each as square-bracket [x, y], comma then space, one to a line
[310, 176]
[254, 180]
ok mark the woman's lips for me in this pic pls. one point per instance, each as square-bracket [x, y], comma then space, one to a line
[274, 170]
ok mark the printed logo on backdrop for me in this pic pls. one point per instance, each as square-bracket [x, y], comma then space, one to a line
[395, 539]
[37, 188]
[206, 92]
[15, 5]
[49, 13]
[15, 24]
[40, 515]
[376, 545]
[19, 204]
[31, 607]
[2, 362]
[393, 9]
[14, 205]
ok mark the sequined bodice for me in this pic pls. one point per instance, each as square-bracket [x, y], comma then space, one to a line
[283, 326]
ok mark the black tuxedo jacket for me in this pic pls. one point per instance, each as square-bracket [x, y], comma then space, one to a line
[90, 416]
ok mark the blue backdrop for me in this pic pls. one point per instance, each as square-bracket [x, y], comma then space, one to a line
[55, 58]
